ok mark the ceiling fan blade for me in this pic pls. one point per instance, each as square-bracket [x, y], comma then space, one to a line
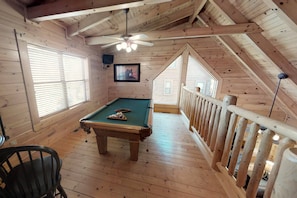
[156, 1]
[139, 37]
[145, 43]
[101, 40]
[114, 37]
[110, 44]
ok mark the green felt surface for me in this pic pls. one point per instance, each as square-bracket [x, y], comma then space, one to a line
[138, 115]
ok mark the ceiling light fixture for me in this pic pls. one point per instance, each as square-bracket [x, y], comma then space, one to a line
[127, 44]
[263, 128]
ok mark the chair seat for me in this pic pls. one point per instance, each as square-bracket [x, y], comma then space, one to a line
[31, 180]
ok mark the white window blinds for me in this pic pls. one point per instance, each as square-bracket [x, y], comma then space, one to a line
[60, 81]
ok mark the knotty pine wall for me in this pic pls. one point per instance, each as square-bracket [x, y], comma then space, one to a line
[233, 78]
[13, 97]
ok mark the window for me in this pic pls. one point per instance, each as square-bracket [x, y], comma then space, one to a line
[166, 84]
[60, 81]
[167, 87]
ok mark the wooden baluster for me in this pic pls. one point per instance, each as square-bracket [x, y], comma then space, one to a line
[285, 183]
[222, 129]
[206, 123]
[201, 117]
[193, 110]
[283, 145]
[259, 164]
[196, 116]
[247, 155]
[229, 139]
[198, 113]
[211, 123]
[237, 145]
[215, 128]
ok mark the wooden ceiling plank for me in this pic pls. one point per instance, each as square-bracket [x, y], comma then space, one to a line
[164, 21]
[199, 4]
[288, 7]
[286, 10]
[259, 40]
[245, 28]
[145, 15]
[68, 8]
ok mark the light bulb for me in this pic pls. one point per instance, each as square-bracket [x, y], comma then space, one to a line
[128, 49]
[124, 45]
[275, 137]
[134, 46]
[119, 47]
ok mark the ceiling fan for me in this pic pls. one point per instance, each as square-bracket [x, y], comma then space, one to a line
[127, 41]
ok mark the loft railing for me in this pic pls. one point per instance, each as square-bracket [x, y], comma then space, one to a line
[244, 157]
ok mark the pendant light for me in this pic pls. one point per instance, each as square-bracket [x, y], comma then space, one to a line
[262, 128]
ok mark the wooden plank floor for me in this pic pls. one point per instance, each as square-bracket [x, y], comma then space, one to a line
[170, 165]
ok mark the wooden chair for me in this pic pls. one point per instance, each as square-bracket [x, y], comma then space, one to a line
[30, 172]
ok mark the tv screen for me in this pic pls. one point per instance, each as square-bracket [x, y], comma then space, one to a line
[107, 59]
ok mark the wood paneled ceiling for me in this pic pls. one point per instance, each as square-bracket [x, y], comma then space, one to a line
[261, 34]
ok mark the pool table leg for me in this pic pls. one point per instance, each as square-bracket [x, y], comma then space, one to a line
[102, 144]
[134, 148]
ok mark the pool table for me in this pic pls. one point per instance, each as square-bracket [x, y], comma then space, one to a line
[137, 127]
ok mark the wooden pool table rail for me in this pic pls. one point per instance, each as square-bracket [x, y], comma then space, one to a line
[103, 130]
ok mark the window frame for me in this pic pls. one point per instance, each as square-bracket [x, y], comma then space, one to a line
[36, 121]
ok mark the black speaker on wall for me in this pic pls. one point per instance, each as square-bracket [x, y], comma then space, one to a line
[107, 59]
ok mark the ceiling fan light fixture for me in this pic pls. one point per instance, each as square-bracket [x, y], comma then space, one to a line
[124, 45]
[134, 46]
[119, 46]
[128, 49]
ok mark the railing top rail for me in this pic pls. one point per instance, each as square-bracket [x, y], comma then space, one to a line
[187, 89]
[274, 125]
[211, 99]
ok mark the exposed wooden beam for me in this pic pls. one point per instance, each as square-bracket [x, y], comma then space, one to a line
[260, 41]
[286, 10]
[199, 4]
[68, 8]
[256, 71]
[89, 22]
[245, 28]
[185, 61]
[180, 24]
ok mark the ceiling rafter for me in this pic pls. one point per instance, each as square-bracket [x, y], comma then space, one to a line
[250, 65]
[67, 8]
[199, 4]
[259, 40]
[245, 28]
[90, 22]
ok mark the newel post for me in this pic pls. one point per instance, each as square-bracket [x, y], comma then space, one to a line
[222, 129]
